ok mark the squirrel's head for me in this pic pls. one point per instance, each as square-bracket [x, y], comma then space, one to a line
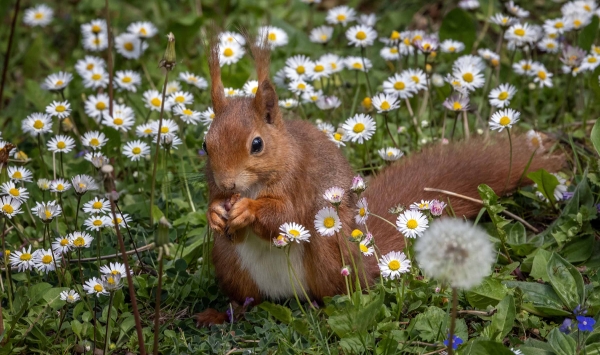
[246, 143]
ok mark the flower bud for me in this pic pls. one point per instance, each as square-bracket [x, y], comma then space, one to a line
[168, 60]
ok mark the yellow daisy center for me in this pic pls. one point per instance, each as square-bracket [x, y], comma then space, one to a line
[363, 248]
[48, 214]
[577, 23]
[587, 7]
[100, 106]
[323, 37]
[97, 205]
[356, 234]
[550, 45]
[98, 288]
[319, 68]
[39, 16]
[337, 136]
[362, 212]
[155, 101]
[94, 142]
[79, 242]
[412, 224]
[114, 272]
[96, 28]
[272, 36]
[128, 46]
[180, 99]
[504, 120]
[333, 66]
[535, 141]
[300, 69]
[228, 52]
[592, 60]
[38, 124]
[301, 86]
[64, 242]
[357, 65]
[503, 95]
[341, 17]
[559, 25]
[385, 105]
[254, 89]
[143, 31]
[60, 108]
[395, 35]
[147, 131]
[426, 46]
[389, 154]
[329, 222]
[294, 233]
[164, 129]
[97, 222]
[359, 127]
[25, 257]
[457, 106]
[17, 175]
[187, 112]
[59, 83]
[520, 32]
[452, 49]
[361, 35]
[46, 259]
[394, 265]
[394, 50]
[8, 209]
[367, 102]
[126, 79]
[415, 78]
[399, 85]
[60, 187]
[97, 41]
[136, 150]
[118, 121]
[541, 74]
[14, 192]
[468, 77]
[96, 77]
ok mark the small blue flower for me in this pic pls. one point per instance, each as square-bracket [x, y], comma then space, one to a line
[456, 341]
[585, 324]
[579, 311]
[229, 313]
[566, 326]
[248, 301]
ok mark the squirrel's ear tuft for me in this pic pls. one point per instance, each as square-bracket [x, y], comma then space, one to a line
[266, 102]
[217, 90]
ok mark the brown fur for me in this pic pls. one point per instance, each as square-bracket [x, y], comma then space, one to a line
[286, 181]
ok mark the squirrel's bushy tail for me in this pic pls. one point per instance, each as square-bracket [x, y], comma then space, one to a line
[457, 167]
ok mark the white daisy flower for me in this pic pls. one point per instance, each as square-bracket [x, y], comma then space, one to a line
[97, 206]
[43, 184]
[281, 241]
[95, 27]
[18, 193]
[390, 154]
[96, 79]
[17, 173]
[504, 119]
[120, 122]
[389, 53]
[535, 140]
[194, 79]
[143, 29]
[312, 96]
[362, 211]
[326, 127]
[421, 206]
[95, 43]
[334, 195]
[80, 239]
[122, 220]
[172, 87]
[144, 130]
[36, 124]
[232, 37]
[418, 78]
[328, 102]
[361, 35]
[577, 21]
[250, 87]
[231, 92]
[152, 100]
[542, 76]
[276, 37]
[452, 46]
[97, 159]
[44, 260]
[427, 44]
[523, 67]
[557, 25]
[230, 53]
[559, 190]
[300, 86]
[520, 34]
[393, 265]
[22, 259]
[412, 223]
[130, 45]
[516, 10]
[393, 39]
[59, 185]
[61, 143]
[206, 117]
[60, 109]
[359, 128]
[180, 98]
[114, 269]
[339, 137]
[455, 252]
[503, 20]
[358, 63]
[97, 222]
[94, 286]
[340, 15]
[470, 61]
[327, 222]
[500, 97]
[334, 63]
[457, 102]
[10, 207]
[400, 85]
[549, 45]
[57, 81]
[83, 184]
[135, 150]
[469, 77]
[94, 139]
[188, 116]
[295, 232]
[468, 4]
[96, 105]
[127, 80]
[321, 34]
[318, 70]
[385, 102]
[590, 62]
[366, 248]
[40, 15]
[70, 296]
[47, 211]
[89, 63]
[297, 67]
[168, 127]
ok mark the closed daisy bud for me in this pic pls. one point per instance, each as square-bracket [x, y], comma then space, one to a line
[334, 195]
[455, 252]
[367, 103]
[358, 184]
[280, 241]
[345, 271]
[436, 207]
[357, 235]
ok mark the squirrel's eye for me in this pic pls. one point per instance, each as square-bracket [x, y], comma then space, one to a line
[257, 145]
[204, 148]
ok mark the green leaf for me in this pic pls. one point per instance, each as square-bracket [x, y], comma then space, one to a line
[592, 349]
[503, 319]
[579, 250]
[459, 25]
[429, 324]
[156, 213]
[588, 35]
[281, 313]
[540, 262]
[52, 296]
[561, 343]
[37, 291]
[595, 135]
[77, 327]
[566, 281]
[539, 299]
[517, 239]
[485, 347]
[546, 183]
[489, 293]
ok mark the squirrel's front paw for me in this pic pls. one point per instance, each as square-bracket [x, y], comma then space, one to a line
[217, 216]
[242, 213]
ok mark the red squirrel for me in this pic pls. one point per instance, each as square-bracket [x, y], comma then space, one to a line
[264, 171]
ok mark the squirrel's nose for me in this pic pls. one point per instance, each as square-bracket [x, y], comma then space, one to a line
[228, 185]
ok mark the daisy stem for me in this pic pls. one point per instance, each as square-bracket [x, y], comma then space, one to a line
[444, 124]
[452, 320]
[162, 109]
[79, 263]
[362, 56]
[399, 298]
[509, 162]
[385, 118]
[292, 283]
[7, 54]
[96, 323]
[399, 68]
[77, 210]
[106, 336]
[63, 312]
[466, 125]
[42, 162]
[6, 264]
[157, 306]
[109, 61]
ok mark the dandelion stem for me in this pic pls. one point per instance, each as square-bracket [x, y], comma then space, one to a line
[7, 55]
[106, 336]
[452, 320]
[157, 306]
[509, 162]
[162, 109]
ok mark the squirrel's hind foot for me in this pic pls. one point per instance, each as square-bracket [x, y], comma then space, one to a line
[210, 317]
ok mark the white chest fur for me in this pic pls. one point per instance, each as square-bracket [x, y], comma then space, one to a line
[268, 267]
